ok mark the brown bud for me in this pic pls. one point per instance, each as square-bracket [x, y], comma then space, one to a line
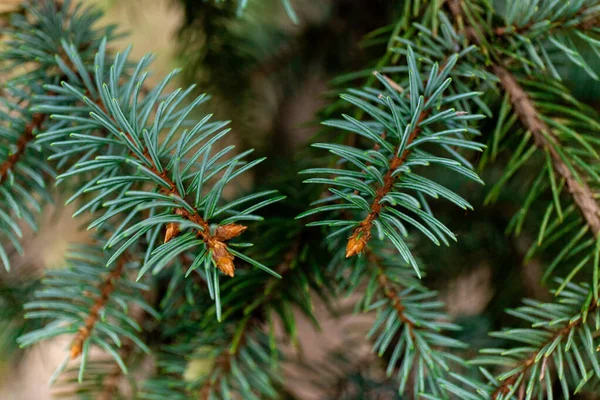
[229, 231]
[172, 231]
[223, 258]
[357, 242]
[77, 346]
[76, 349]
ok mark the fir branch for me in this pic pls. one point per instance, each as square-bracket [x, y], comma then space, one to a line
[215, 243]
[545, 140]
[411, 331]
[71, 301]
[559, 339]
[560, 334]
[362, 234]
[107, 104]
[105, 288]
[423, 116]
[525, 365]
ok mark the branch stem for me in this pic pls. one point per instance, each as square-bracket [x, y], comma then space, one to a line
[362, 233]
[26, 138]
[106, 289]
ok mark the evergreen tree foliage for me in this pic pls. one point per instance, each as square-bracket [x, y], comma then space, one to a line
[207, 280]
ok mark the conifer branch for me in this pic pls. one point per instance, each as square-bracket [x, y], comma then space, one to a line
[420, 115]
[506, 386]
[106, 288]
[558, 343]
[72, 301]
[545, 140]
[362, 234]
[28, 136]
[410, 330]
[543, 137]
[215, 243]
[108, 115]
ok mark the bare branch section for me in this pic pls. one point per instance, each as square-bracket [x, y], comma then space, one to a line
[106, 289]
[544, 139]
[543, 136]
[27, 137]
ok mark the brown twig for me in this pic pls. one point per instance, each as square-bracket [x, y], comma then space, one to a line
[28, 135]
[545, 140]
[106, 288]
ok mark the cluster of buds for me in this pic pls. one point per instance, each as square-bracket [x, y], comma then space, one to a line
[216, 243]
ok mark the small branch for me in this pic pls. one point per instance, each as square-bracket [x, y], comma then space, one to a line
[106, 289]
[544, 139]
[28, 136]
[543, 136]
[362, 234]
[580, 191]
[216, 243]
[526, 364]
